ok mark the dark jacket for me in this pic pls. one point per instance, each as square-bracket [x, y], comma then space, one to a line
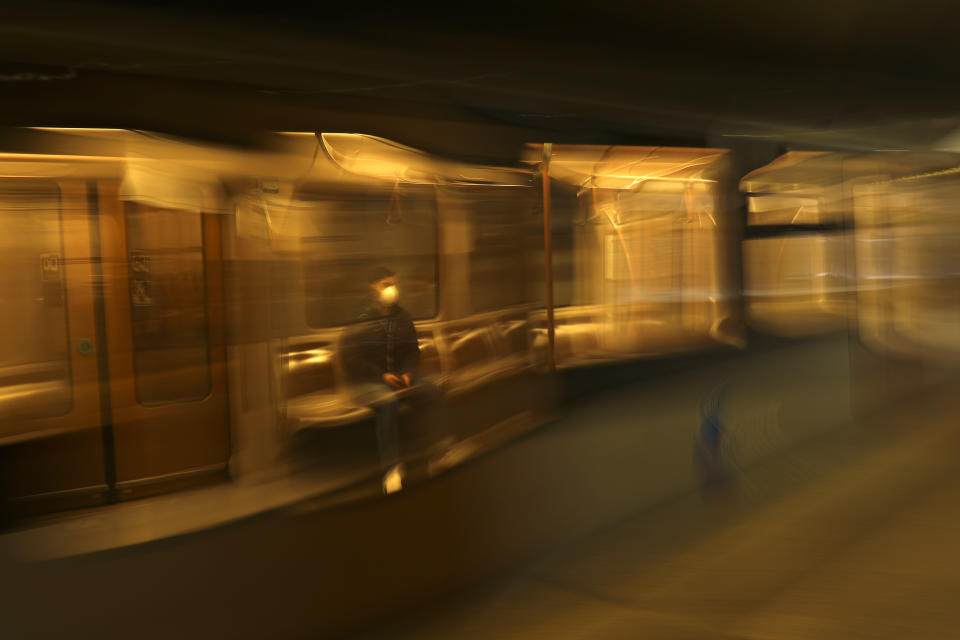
[376, 344]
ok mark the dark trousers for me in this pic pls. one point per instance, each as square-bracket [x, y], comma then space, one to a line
[386, 403]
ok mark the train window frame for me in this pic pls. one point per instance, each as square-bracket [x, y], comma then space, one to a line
[27, 186]
[127, 207]
[516, 221]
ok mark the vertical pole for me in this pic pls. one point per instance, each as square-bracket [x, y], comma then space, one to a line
[102, 348]
[548, 253]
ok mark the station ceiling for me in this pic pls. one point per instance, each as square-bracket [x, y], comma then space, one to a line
[476, 81]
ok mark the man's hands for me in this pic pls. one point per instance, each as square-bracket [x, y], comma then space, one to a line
[397, 382]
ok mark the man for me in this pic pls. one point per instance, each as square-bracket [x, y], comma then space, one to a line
[381, 355]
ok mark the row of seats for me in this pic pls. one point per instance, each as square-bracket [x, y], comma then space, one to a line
[457, 356]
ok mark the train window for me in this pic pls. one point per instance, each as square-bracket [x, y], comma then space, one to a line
[35, 379]
[564, 207]
[504, 233]
[644, 262]
[343, 235]
[169, 304]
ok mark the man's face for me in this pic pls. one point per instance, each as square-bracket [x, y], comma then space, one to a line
[380, 285]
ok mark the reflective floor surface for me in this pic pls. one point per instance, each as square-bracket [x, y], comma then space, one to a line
[851, 536]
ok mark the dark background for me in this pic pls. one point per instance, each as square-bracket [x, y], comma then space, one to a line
[477, 80]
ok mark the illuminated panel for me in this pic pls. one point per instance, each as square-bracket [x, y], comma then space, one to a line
[908, 261]
[795, 277]
[651, 254]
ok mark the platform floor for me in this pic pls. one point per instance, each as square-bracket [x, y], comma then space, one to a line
[851, 536]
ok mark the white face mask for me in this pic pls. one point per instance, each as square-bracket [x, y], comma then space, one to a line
[388, 295]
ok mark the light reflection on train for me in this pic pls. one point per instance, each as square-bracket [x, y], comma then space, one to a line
[174, 310]
[867, 242]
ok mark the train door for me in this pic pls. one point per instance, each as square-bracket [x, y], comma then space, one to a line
[51, 445]
[164, 310]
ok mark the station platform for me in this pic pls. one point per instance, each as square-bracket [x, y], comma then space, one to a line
[852, 535]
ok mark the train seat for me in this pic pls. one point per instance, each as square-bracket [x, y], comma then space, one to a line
[317, 392]
[431, 366]
[485, 348]
[576, 335]
[513, 341]
[470, 355]
[321, 410]
[314, 399]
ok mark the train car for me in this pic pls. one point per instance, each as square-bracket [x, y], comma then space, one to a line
[462, 241]
[115, 385]
[179, 307]
[188, 321]
[643, 252]
[796, 269]
[907, 240]
[184, 302]
[850, 242]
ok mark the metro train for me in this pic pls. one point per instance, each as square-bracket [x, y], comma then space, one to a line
[174, 309]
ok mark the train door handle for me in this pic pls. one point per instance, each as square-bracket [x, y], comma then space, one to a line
[86, 346]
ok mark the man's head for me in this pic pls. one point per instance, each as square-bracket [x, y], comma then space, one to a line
[383, 285]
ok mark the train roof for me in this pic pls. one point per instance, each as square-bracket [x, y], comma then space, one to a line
[630, 167]
[170, 171]
[800, 172]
